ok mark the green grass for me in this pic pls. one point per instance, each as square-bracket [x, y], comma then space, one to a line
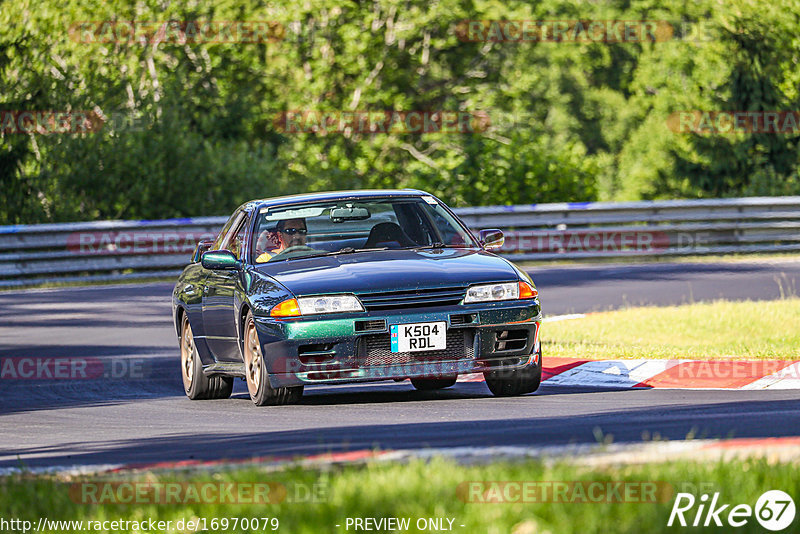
[421, 489]
[722, 329]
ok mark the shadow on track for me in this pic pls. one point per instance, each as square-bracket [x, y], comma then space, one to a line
[709, 420]
[113, 378]
[390, 393]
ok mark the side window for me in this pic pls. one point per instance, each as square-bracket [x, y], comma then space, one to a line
[234, 241]
[452, 234]
[226, 231]
[449, 234]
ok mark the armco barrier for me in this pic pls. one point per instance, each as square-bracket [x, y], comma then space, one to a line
[118, 250]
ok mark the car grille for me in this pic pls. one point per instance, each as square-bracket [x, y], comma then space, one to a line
[376, 349]
[460, 319]
[415, 298]
[366, 326]
[510, 340]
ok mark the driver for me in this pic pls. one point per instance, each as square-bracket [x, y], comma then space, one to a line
[290, 233]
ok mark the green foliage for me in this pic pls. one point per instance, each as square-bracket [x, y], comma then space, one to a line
[567, 121]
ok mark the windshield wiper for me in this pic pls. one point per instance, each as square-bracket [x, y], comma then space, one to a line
[345, 250]
[350, 250]
[435, 244]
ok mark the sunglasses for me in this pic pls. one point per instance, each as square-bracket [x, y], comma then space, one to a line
[293, 231]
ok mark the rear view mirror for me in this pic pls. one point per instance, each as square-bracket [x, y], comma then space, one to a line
[492, 238]
[220, 260]
[349, 213]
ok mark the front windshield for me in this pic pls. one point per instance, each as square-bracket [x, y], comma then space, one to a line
[347, 226]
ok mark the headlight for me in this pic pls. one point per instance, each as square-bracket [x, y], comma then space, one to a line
[317, 305]
[502, 291]
[329, 304]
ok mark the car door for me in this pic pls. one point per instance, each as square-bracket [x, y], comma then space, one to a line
[219, 297]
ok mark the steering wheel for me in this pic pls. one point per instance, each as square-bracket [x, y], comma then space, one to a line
[296, 248]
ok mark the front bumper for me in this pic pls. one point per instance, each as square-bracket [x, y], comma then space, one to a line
[353, 348]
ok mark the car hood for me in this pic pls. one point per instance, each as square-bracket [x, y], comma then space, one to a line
[389, 270]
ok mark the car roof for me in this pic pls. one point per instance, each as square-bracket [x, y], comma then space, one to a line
[336, 195]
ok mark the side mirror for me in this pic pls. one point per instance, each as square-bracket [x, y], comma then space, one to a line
[202, 246]
[492, 238]
[220, 260]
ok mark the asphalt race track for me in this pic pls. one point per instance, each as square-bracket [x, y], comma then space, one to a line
[135, 410]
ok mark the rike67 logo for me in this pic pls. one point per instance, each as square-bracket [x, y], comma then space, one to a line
[774, 510]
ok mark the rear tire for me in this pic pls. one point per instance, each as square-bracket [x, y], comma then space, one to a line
[196, 384]
[255, 369]
[509, 383]
[430, 384]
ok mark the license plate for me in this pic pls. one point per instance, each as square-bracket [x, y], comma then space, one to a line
[418, 336]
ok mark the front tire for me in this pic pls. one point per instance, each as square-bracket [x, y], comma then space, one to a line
[509, 383]
[255, 369]
[196, 384]
[430, 384]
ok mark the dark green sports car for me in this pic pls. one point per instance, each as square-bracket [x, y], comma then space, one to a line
[353, 286]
